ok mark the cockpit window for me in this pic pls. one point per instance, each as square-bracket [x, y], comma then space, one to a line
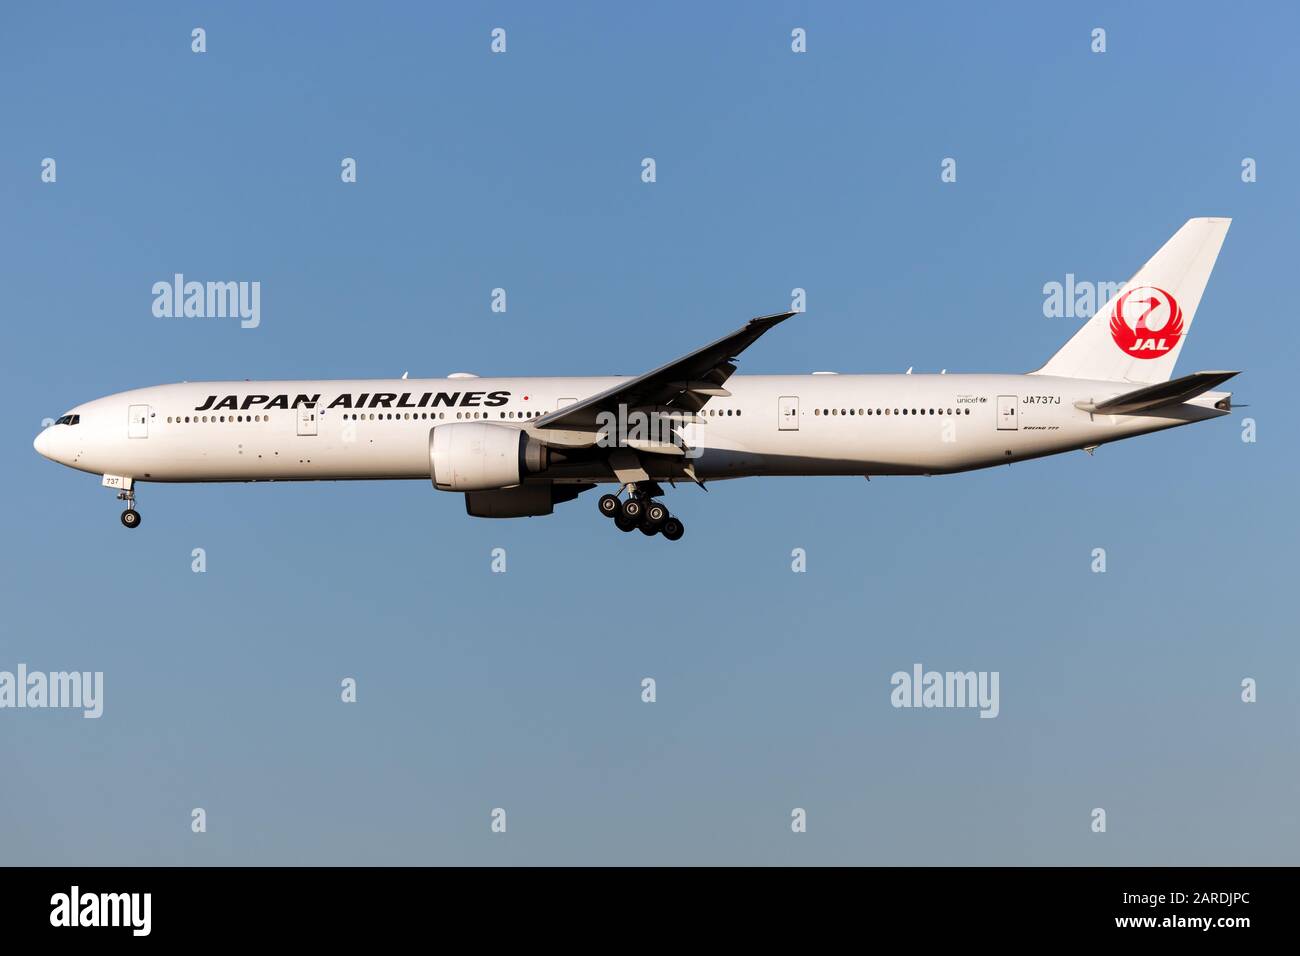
[68, 420]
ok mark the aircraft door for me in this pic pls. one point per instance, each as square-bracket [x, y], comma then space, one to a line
[787, 413]
[306, 420]
[137, 421]
[1007, 421]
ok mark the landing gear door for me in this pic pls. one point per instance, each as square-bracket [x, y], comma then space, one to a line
[787, 413]
[306, 420]
[1007, 421]
[137, 421]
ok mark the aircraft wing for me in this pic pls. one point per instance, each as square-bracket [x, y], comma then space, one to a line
[686, 383]
[1174, 392]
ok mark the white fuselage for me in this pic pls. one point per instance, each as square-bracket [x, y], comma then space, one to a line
[769, 425]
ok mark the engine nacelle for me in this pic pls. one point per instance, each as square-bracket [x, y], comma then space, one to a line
[528, 500]
[481, 456]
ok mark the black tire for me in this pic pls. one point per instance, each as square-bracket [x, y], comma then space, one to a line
[131, 518]
[623, 524]
[673, 529]
[657, 513]
[633, 509]
[609, 505]
[649, 530]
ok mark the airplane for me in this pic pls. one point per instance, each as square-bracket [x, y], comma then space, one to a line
[516, 447]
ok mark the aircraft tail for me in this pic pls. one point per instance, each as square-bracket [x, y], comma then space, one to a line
[1137, 335]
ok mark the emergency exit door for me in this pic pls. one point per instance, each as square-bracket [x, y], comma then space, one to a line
[1007, 421]
[137, 421]
[787, 413]
[306, 420]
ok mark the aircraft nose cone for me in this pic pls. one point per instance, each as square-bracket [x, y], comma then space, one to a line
[42, 443]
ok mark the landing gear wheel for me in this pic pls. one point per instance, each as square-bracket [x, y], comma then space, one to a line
[673, 529]
[656, 514]
[648, 529]
[622, 524]
[609, 505]
[633, 509]
[130, 517]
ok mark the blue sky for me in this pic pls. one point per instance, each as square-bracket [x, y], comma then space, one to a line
[522, 690]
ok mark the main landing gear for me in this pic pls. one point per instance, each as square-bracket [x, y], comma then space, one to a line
[640, 512]
[130, 517]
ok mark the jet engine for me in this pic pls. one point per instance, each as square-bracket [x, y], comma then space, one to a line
[529, 500]
[481, 456]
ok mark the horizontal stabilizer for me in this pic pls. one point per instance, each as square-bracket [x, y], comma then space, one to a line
[1173, 392]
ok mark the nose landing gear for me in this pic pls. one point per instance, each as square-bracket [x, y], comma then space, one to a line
[640, 512]
[130, 517]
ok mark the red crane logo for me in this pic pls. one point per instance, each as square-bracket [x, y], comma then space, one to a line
[1147, 322]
